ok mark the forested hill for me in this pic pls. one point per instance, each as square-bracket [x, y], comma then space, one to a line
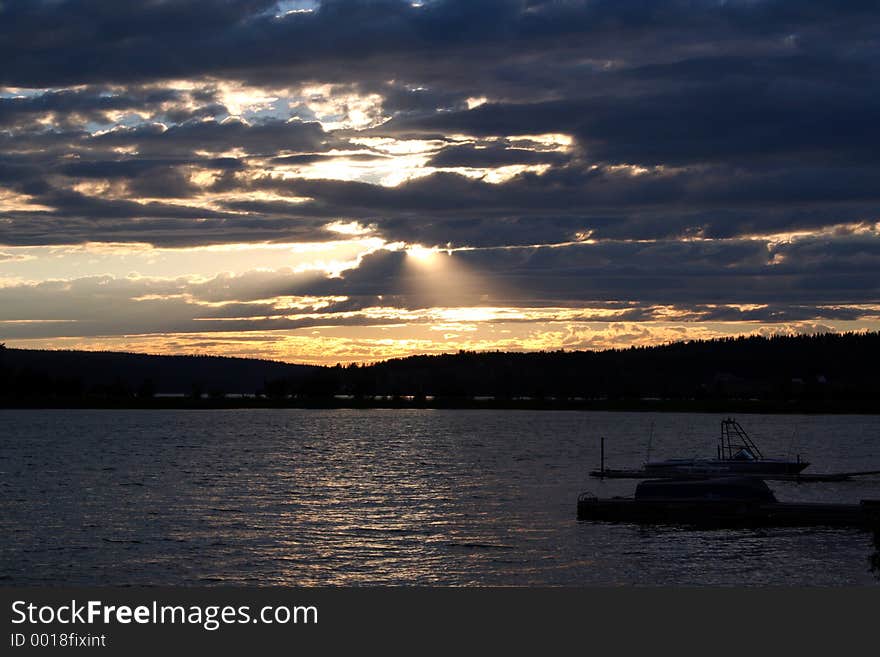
[843, 366]
[37, 373]
[819, 368]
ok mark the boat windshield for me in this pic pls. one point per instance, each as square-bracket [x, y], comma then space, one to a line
[744, 455]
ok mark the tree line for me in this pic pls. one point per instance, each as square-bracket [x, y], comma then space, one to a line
[822, 367]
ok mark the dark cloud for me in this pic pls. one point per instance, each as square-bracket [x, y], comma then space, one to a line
[730, 122]
[569, 202]
[493, 156]
[74, 107]
[132, 168]
[97, 40]
[311, 158]
[808, 272]
[693, 125]
[267, 137]
[738, 280]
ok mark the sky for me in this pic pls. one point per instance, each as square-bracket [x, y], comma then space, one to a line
[353, 180]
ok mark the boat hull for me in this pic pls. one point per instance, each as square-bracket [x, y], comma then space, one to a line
[724, 466]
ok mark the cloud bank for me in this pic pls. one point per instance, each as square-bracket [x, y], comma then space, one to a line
[695, 163]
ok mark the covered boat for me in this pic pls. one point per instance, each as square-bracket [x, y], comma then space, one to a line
[722, 501]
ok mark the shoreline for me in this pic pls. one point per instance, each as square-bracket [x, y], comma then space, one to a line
[806, 407]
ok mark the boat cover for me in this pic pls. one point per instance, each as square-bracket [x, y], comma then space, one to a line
[746, 489]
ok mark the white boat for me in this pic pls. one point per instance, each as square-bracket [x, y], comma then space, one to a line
[737, 454]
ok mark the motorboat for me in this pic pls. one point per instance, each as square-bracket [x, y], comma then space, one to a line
[737, 454]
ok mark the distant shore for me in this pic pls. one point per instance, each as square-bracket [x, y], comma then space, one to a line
[822, 373]
[860, 407]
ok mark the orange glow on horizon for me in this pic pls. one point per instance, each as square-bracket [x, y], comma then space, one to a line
[367, 344]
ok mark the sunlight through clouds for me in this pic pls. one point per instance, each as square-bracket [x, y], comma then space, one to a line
[122, 259]
[358, 180]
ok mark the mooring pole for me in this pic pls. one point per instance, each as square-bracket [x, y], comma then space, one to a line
[602, 455]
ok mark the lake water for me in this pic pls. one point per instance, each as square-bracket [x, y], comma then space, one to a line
[391, 497]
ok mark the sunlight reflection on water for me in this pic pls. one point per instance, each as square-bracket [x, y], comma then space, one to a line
[305, 497]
